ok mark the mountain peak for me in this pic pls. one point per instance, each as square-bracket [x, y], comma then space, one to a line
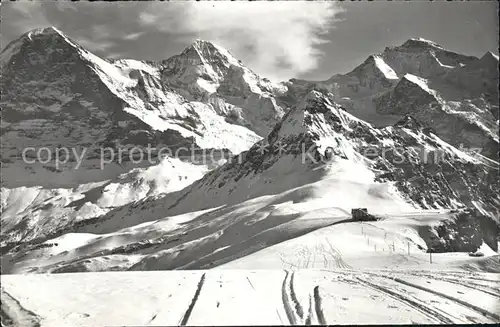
[420, 43]
[15, 46]
[51, 30]
[378, 63]
[200, 44]
[48, 37]
[210, 51]
[203, 43]
[489, 56]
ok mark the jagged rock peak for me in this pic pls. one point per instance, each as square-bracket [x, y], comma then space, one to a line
[51, 30]
[315, 95]
[209, 51]
[315, 99]
[489, 57]
[415, 44]
[28, 36]
[49, 36]
[44, 32]
[375, 62]
[420, 43]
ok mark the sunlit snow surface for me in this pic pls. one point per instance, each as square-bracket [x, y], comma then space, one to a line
[246, 297]
[278, 261]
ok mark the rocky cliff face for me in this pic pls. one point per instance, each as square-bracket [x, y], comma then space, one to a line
[466, 232]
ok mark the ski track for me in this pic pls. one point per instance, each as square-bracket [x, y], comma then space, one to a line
[338, 256]
[317, 307]
[309, 317]
[298, 308]
[187, 314]
[279, 316]
[484, 280]
[14, 315]
[294, 309]
[308, 258]
[427, 311]
[451, 298]
[286, 303]
[462, 282]
[462, 275]
[250, 283]
[468, 306]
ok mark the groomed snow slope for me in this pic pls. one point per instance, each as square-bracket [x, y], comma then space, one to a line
[243, 297]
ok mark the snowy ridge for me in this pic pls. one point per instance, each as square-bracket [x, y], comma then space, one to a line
[23, 219]
[421, 82]
[385, 68]
[456, 106]
[421, 42]
[13, 47]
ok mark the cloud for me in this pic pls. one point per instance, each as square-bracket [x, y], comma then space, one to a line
[133, 36]
[147, 18]
[282, 38]
[72, 19]
[29, 15]
[94, 45]
[18, 19]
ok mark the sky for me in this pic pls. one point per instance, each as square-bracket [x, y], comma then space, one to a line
[279, 40]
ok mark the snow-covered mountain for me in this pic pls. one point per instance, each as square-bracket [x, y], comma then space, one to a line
[454, 94]
[297, 146]
[207, 72]
[292, 157]
[57, 94]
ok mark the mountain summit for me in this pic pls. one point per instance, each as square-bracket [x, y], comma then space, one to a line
[207, 72]
[49, 37]
[421, 43]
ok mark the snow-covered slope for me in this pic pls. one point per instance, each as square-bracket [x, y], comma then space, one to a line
[31, 212]
[233, 297]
